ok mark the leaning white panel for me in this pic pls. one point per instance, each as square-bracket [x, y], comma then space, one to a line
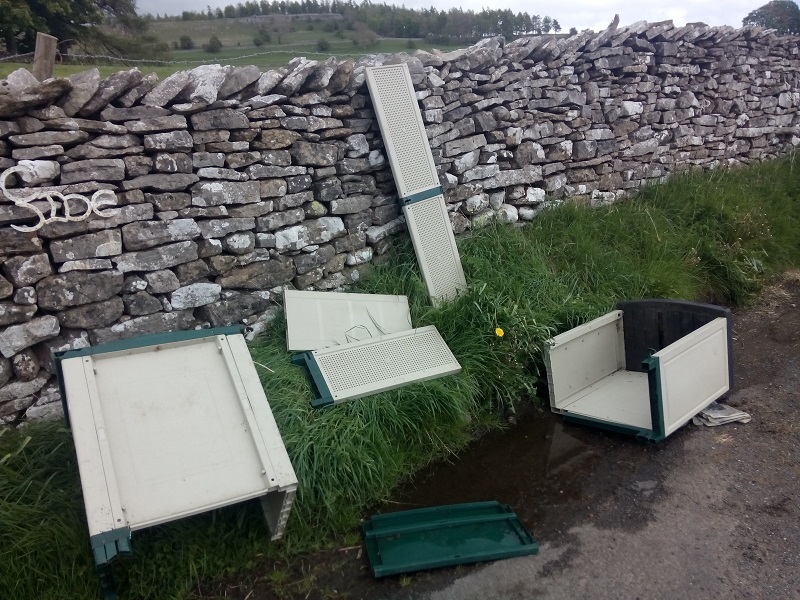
[385, 363]
[416, 179]
[317, 320]
[435, 247]
[172, 429]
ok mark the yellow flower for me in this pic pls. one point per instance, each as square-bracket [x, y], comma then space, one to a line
[499, 332]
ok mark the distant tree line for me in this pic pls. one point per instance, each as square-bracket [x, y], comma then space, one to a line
[454, 24]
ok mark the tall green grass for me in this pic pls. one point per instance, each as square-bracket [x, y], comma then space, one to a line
[43, 539]
[714, 237]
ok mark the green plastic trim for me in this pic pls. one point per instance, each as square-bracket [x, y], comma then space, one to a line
[322, 392]
[108, 545]
[149, 340]
[427, 526]
[608, 426]
[420, 196]
[131, 343]
[652, 364]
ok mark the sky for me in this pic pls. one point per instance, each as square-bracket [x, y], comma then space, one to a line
[582, 14]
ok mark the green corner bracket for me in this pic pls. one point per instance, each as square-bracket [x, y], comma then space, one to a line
[320, 388]
[108, 545]
[652, 364]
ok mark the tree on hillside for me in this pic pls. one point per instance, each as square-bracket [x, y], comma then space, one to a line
[363, 36]
[280, 27]
[214, 45]
[106, 25]
[783, 15]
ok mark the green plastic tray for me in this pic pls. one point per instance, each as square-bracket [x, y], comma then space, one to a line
[427, 538]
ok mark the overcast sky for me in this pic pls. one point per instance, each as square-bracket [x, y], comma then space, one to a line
[582, 14]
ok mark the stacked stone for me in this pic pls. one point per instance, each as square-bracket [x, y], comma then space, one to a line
[516, 126]
[222, 201]
[233, 182]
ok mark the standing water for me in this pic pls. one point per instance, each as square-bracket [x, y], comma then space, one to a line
[545, 469]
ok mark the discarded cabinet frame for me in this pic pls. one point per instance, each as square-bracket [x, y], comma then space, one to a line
[416, 179]
[171, 425]
[644, 369]
[364, 368]
[428, 538]
[316, 320]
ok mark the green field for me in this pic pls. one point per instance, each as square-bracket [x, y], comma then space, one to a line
[238, 47]
[236, 35]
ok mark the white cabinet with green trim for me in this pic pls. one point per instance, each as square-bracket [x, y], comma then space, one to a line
[646, 368]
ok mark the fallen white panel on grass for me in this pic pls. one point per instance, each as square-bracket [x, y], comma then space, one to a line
[416, 179]
[388, 362]
[317, 320]
[171, 429]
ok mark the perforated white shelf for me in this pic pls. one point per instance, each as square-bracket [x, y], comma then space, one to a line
[381, 364]
[402, 129]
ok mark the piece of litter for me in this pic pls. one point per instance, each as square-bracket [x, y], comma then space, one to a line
[720, 414]
[263, 366]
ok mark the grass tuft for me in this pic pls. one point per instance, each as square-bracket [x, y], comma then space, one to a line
[715, 237]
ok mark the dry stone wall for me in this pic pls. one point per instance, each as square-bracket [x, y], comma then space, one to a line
[233, 182]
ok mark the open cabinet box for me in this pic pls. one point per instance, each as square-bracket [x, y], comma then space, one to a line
[645, 369]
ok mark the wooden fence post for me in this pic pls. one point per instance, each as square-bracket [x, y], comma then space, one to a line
[45, 56]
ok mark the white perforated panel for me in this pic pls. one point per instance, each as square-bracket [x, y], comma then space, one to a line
[414, 171]
[385, 363]
[402, 129]
[435, 246]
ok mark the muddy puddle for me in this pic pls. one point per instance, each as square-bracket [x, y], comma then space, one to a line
[545, 469]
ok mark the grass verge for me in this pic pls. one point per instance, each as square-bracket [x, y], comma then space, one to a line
[714, 237]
